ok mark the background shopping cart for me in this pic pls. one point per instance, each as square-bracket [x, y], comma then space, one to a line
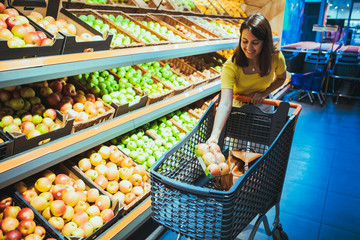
[185, 201]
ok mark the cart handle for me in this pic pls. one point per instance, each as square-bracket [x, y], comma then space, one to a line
[271, 102]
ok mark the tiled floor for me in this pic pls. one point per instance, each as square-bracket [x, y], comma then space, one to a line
[321, 194]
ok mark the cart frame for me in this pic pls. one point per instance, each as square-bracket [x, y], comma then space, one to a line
[188, 203]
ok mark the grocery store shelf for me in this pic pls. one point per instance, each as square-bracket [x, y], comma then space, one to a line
[130, 222]
[25, 164]
[23, 71]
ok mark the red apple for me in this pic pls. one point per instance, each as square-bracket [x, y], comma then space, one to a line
[40, 230]
[12, 12]
[81, 206]
[57, 222]
[224, 168]
[88, 228]
[11, 211]
[103, 202]
[41, 34]
[80, 218]
[112, 187]
[38, 109]
[102, 181]
[3, 24]
[43, 184]
[4, 16]
[27, 127]
[12, 22]
[28, 27]
[71, 198]
[47, 213]
[39, 203]
[46, 42]
[136, 179]
[9, 223]
[62, 179]
[19, 31]
[107, 214]
[2, 7]
[201, 149]
[58, 191]
[53, 99]
[32, 38]
[137, 190]
[68, 214]
[51, 113]
[6, 34]
[33, 236]
[57, 207]
[90, 97]
[69, 90]
[25, 213]
[68, 228]
[5, 201]
[214, 169]
[92, 194]
[96, 221]
[214, 147]
[36, 15]
[129, 197]
[13, 235]
[28, 195]
[84, 164]
[126, 162]
[27, 226]
[93, 211]
[125, 186]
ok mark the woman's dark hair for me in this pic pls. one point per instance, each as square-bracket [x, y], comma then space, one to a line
[259, 26]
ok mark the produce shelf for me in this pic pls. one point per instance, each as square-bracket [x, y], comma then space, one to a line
[42, 157]
[24, 71]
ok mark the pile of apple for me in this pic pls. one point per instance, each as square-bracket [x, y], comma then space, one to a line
[141, 148]
[119, 39]
[22, 111]
[103, 84]
[208, 36]
[135, 29]
[165, 74]
[17, 30]
[214, 160]
[67, 206]
[194, 77]
[18, 223]
[163, 31]
[116, 173]
[214, 27]
[226, 53]
[129, 76]
[185, 119]
[186, 32]
[72, 102]
[201, 68]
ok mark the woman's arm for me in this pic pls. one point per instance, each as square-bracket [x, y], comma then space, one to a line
[278, 82]
[222, 114]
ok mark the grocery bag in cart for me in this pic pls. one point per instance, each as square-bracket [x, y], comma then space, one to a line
[187, 202]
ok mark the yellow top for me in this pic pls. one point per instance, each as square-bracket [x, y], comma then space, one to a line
[233, 77]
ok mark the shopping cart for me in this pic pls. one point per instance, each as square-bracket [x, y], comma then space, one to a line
[188, 203]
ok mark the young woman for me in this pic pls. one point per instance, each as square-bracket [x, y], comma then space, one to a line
[256, 69]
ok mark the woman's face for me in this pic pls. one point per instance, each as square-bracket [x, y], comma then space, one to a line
[250, 44]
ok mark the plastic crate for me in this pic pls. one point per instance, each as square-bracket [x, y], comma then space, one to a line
[5, 147]
[183, 202]
[294, 61]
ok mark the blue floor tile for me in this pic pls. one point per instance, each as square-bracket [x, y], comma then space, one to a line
[307, 173]
[345, 160]
[343, 212]
[303, 201]
[332, 233]
[344, 182]
[312, 155]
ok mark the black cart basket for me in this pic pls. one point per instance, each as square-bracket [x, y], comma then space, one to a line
[185, 201]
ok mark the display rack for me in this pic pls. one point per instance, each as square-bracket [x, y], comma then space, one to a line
[24, 71]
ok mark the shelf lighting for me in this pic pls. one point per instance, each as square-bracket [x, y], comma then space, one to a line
[336, 7]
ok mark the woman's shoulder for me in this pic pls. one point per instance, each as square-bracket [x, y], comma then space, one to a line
[278, 56]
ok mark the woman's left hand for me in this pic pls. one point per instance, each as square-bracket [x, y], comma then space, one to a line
[258, 97]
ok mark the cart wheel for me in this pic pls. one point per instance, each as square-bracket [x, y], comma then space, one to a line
[279, 234]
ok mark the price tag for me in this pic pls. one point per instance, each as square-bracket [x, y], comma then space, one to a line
[156, 48]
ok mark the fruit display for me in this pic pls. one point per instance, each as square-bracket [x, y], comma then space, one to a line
[189, 73]
[226, 53]
[161, 28]
[22, 111]
[185, 119]
[18, 222]
[19, 32]
[69, 205]
[211, 159]
[206, 7]
[213, 60]
[135, 77]
[183, 5]
[75, 103]
[215, 27]
[206, 33]
[168, 77]
[105, 85]
[116, 173]
[137, 30]
[201, 66]
[141, 147]
[97, 23]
